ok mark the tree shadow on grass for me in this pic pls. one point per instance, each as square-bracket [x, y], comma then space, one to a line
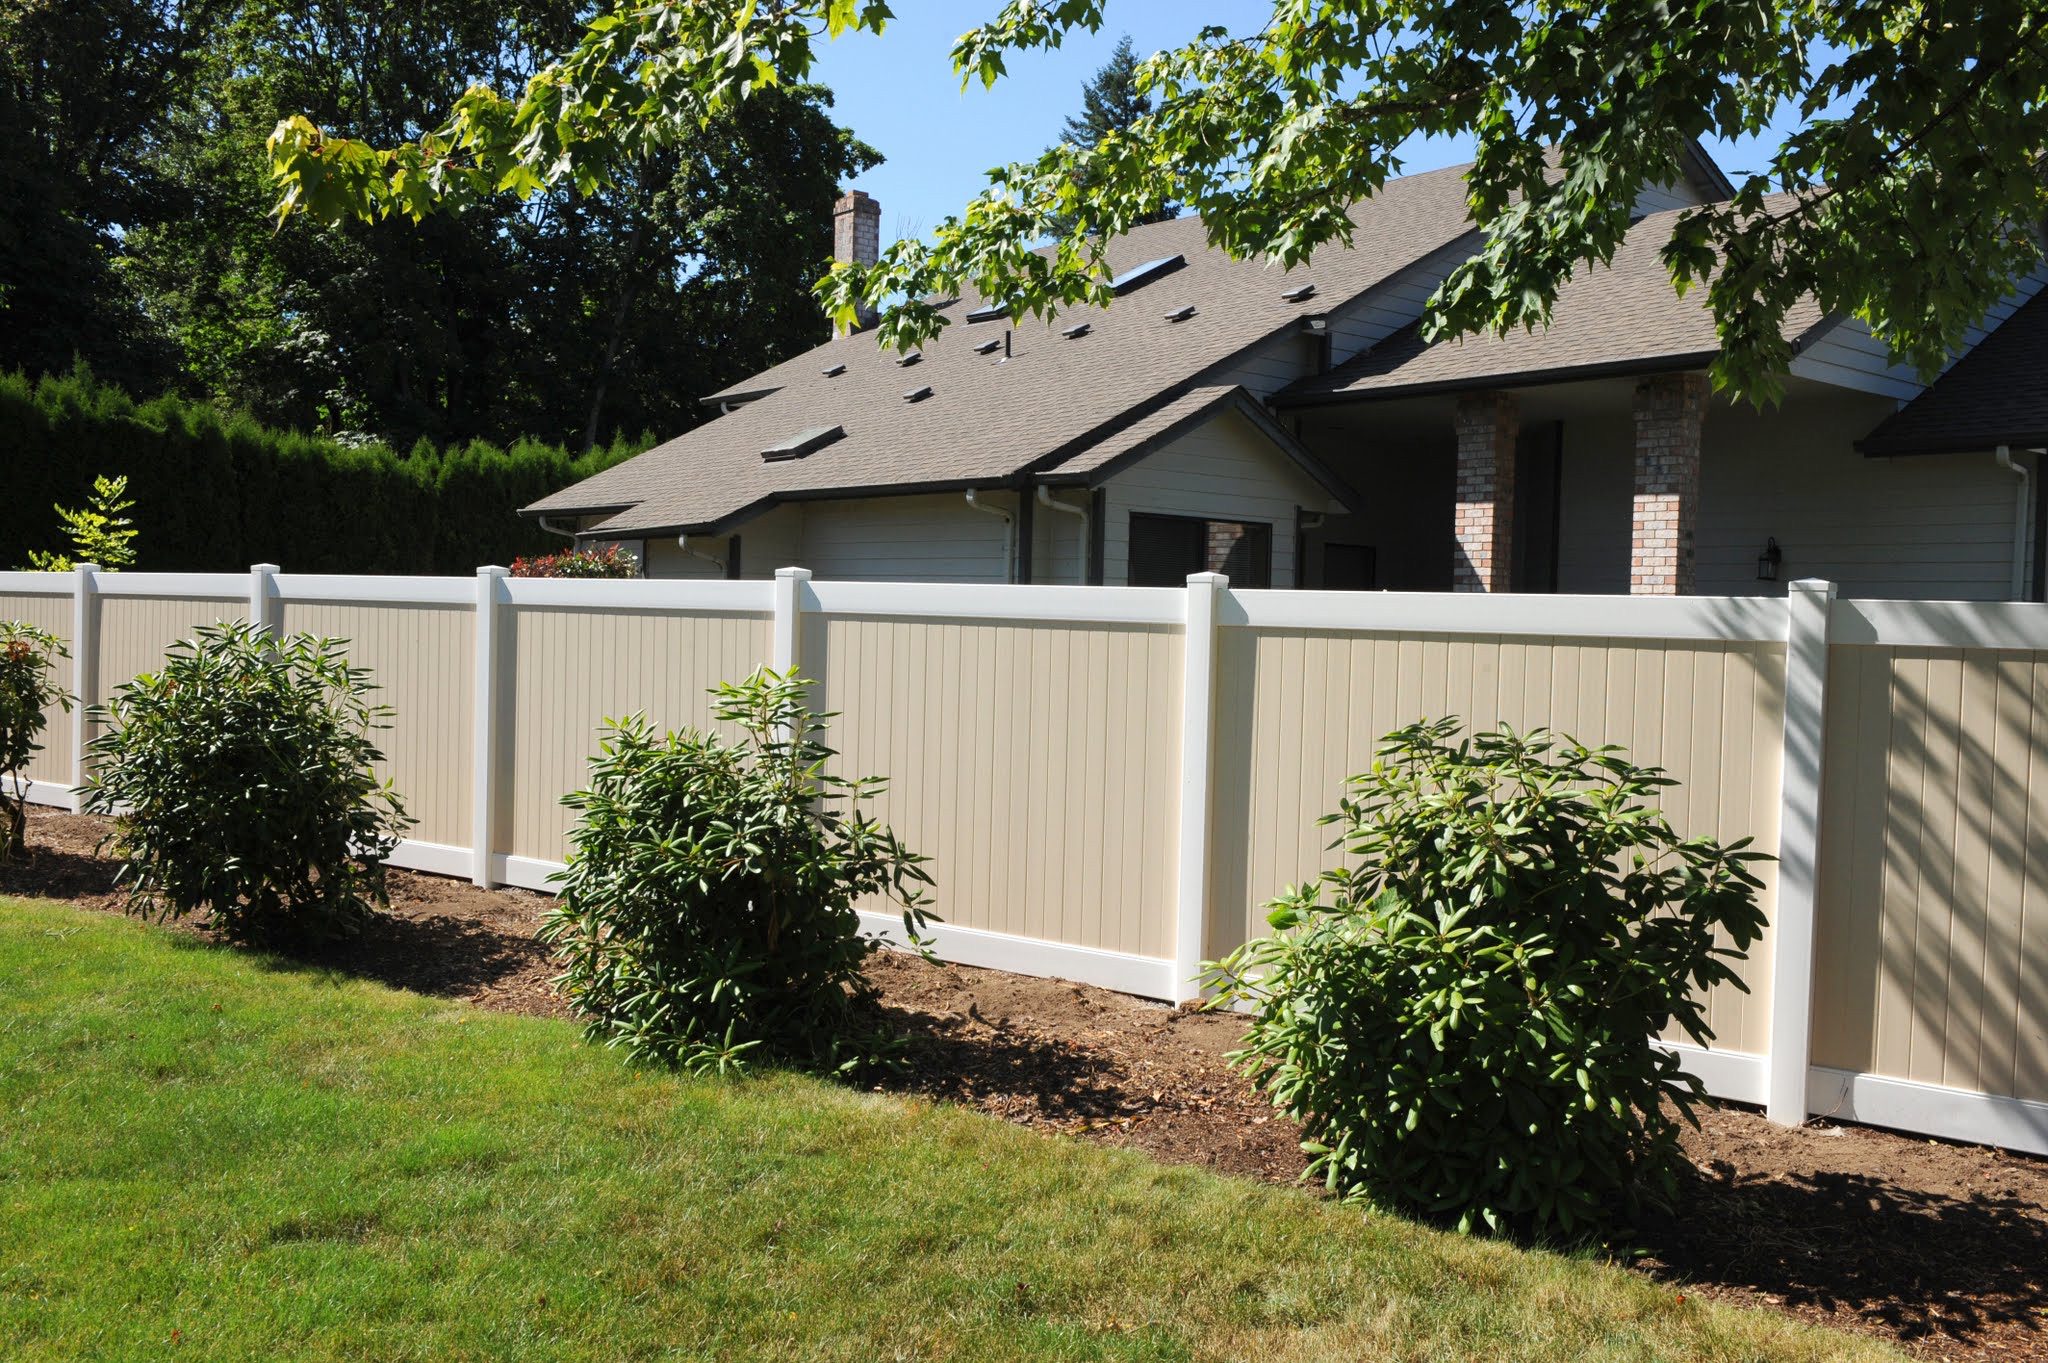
[1918, 1265]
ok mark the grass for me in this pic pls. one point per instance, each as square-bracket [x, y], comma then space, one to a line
[206, 1155]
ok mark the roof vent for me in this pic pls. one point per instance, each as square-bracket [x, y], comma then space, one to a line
[992, 312]
[1300, 293]
[909, 358]
[1181, 314]
[989, 347]
[1139, 276]
[802, 443]
[1077, 331]
[917, 394]
[833, 371]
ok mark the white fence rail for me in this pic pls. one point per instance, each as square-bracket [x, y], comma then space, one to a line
[1112, 780]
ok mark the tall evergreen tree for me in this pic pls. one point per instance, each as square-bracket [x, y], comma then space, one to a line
[1112, 103]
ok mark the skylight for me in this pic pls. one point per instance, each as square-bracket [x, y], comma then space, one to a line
[992, 312]
[1139, 276]
[802, 443]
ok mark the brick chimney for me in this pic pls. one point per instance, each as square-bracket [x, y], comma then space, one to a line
[857, 235]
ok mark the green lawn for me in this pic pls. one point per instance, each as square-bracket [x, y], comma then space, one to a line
[203, 1157]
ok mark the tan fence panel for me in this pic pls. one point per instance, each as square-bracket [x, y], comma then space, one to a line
[567, 670]
[423, 661]
[1299, 711]
[1036, 764]
[52, 613]
[1932, 945]
[137, 631]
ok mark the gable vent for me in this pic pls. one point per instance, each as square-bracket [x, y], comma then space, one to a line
[1138, 276]
[917, 394]
[833, 371]
[909, 358]
[802, 443]
[1300, 293]
[1181, 314]
[1077, 331]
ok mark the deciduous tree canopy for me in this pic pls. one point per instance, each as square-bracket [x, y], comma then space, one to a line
[1913, 189]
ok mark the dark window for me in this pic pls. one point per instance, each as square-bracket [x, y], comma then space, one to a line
[1166, 549]
[1351, 567]
[1539, 482]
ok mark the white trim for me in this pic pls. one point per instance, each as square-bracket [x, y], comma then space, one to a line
[1748, 619]
[199, 586]
[789, 618]
[1930, 1109]
[85, 672]
[263, 603]
[435, 858]
[647, 593]
[1736, 1076]
[1804, 741]
[57, 793]
[1080, 605]
[528, 873]
[483, 796]
[1940, 624]
[35, 584]
[396, 591]
[1204, 595]
[1146, 976]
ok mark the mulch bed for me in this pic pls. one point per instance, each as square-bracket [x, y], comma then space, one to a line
[1942, 1248]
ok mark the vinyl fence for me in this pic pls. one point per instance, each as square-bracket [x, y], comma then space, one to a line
[1111, 781]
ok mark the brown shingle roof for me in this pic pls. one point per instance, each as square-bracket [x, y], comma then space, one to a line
[986, 420]
[1624, 316]
[1995, 395]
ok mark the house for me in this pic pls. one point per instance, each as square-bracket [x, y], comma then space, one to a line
[1293, 428]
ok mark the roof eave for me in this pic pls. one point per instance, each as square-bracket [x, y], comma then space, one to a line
[1526, 378]
[1875, 448]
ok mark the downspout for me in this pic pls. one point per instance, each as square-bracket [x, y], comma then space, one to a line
[1009, 535]
[1045, 498]
[2022, 507]
[542, 521]
[683, 543]
[1304, 522]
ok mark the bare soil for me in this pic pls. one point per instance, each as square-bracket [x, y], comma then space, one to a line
[1940, 1247]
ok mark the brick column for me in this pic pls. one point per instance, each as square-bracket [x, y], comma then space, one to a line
[1669, 412]
[1484, 511]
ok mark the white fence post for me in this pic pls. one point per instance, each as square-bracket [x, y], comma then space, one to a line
[789, 618]
[1807, 605]
[483, 799]
[263, 601]
[1197, 743]
[85, 669]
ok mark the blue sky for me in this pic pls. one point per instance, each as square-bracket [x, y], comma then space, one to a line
[899, 93]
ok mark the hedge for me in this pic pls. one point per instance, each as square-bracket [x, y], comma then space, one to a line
[216, 492]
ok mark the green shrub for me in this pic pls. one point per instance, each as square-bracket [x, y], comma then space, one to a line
[28, 658]
[101, 534]
[240, 779]
[707, 916]
[1462, 1017]
[219, 492]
